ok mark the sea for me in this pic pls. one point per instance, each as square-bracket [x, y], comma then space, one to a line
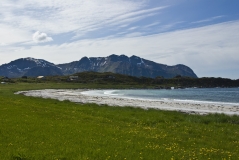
[225, 96]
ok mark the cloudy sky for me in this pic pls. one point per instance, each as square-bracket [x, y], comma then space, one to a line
[202, 34]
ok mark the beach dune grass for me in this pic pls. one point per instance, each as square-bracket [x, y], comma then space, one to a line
[35, 128]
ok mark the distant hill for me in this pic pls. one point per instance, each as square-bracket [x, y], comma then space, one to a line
[133, 66]
[29, 67]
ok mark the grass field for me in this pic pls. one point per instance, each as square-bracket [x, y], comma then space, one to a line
[46, 129]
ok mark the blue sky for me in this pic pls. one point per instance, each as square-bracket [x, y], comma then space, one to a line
[203, 34]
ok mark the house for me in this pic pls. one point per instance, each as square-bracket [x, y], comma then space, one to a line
[40, 77]
[73, 78]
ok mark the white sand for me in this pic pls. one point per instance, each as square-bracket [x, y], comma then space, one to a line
[185, 107]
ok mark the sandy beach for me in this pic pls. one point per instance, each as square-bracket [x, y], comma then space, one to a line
[78, 97]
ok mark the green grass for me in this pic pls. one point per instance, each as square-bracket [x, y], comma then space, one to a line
[41, 129]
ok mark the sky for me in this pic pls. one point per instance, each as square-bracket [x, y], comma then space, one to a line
[202, 34]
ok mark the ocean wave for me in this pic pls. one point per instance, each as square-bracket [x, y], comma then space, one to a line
[110, 93]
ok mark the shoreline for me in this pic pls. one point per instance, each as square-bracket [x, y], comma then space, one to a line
[184, 107]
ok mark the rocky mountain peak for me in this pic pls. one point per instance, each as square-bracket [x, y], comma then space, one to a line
[134, 66]
[136, 60]
[84, 60]
[31, 62]
[121, 58]
[25, 66]
[113, 58]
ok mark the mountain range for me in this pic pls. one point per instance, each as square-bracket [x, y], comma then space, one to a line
[133, 66]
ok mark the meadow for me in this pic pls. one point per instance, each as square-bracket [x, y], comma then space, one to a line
[45, 129]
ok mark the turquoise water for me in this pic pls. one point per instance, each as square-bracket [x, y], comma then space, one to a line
[203, 95]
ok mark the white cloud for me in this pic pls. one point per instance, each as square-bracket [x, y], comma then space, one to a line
[152, 24]
[209, 19]
[133, 28]
[10, 35]
[39, 37]
[3, 44]
[134, 34]
[209, 51]
[69, 16]
[137, 14]
[166, 27]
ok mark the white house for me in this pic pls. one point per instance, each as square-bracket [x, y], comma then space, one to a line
[40, 77]
[72, 78]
